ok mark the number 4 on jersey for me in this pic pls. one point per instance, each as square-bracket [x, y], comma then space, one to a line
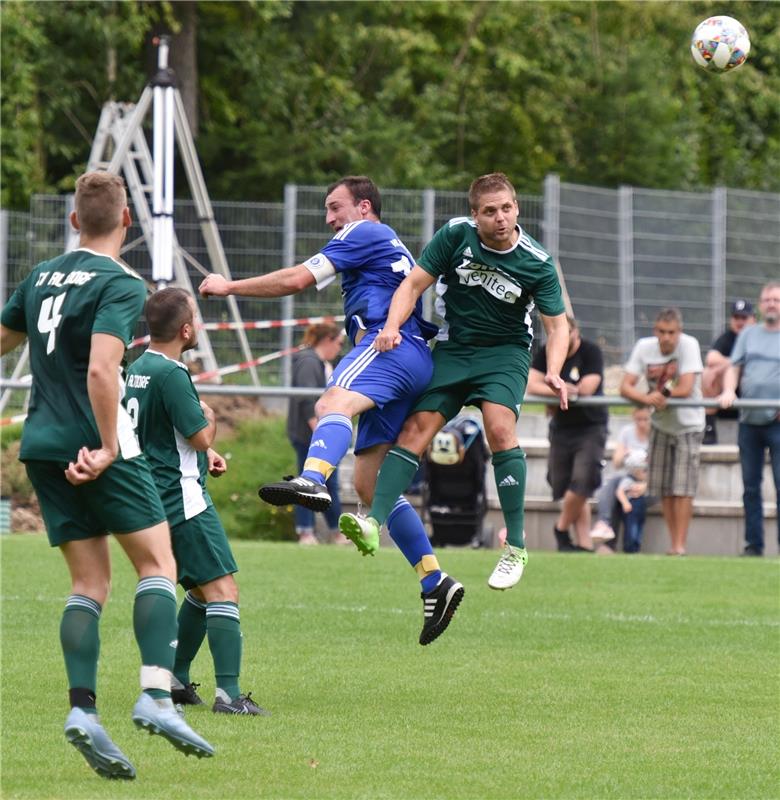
[402, 265]
[49, 318]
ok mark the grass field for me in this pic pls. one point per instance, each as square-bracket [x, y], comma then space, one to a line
[627, 677]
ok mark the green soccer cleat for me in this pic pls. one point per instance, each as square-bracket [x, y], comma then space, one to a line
[363, 532]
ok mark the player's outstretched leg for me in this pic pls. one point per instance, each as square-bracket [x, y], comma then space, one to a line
[509, 569]
[330, 441]
[362, 531]
[159, 716]
[89, 737]
[439, 606]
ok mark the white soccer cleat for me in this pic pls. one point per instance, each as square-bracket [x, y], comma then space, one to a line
[509, 569]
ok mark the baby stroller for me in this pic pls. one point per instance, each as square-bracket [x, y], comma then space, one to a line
[454, 491]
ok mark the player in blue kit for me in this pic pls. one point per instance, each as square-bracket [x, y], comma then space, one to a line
[380, 387]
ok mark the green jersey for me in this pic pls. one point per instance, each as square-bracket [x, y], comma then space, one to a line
[486, 296]
[60, 305]
[165, 408]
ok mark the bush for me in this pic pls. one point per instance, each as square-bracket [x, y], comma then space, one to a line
[257, 452]
[16, 484]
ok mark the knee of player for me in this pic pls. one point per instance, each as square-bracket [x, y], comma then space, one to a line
[417, 433]
[501, 437]
[97, 588]
[364, 486]
[221, 590]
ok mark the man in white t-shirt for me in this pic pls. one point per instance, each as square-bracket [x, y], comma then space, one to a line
[670, 361]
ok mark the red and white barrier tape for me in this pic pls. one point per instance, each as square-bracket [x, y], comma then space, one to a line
[13, 420]
[203, 376]
[214, 373]
[257, 325]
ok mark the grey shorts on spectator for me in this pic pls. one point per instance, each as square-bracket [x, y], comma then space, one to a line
[674, 463]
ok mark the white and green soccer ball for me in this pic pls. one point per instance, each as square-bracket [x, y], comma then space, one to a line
[720, 44]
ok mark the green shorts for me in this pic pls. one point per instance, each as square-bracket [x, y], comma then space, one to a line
[202, 550]
[465, 375]
[123, 499]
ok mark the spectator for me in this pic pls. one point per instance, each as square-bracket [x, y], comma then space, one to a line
[633, 438]
[631, 493]
[717, 362]
[311, 367]
[671, 363]
[577, 437]
[755, 368]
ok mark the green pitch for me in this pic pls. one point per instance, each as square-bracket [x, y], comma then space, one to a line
[623, 677]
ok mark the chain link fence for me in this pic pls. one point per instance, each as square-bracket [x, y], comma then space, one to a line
[624, 254]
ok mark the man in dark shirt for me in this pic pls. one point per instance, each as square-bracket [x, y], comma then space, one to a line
[717, 362]
[577, 437]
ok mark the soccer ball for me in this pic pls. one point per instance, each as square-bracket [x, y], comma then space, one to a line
[720, 44]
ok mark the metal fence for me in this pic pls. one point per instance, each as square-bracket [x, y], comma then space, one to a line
[624, 253]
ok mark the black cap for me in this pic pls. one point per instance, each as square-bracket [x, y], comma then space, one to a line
[741, 308]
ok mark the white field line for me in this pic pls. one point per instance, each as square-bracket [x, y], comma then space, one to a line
[413, 610]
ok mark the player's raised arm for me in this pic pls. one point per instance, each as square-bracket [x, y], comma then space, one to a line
[402, 305]
[280, 283]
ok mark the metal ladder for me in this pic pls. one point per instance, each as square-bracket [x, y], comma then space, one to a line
[120, 136]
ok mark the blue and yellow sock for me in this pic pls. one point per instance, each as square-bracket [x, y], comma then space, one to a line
[408, 532]
[330, 441]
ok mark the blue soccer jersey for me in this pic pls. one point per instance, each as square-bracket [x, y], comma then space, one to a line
[372, 262]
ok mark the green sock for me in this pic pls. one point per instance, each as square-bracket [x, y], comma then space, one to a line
[154, 622]
[398, 469]
[80, 640]
[192, 631]
[509, 469]
[224, 631]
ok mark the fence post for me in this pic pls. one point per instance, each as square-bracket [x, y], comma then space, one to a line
[71, 235]
[288, 249]
[426, 234]
[552, 215]
[626, 269]
[3, 254]
[718, 239]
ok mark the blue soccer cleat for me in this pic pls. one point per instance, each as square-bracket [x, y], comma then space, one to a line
[89, 737]
[160, 717]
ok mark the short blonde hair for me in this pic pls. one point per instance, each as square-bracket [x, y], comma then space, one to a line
[100, 200]
[485, 184]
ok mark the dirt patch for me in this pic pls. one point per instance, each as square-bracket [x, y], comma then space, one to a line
[27, 519]
[231, 410]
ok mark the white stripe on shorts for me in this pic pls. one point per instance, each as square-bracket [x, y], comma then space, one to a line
[359, 365]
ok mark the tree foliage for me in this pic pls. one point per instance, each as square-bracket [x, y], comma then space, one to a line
[413, 93]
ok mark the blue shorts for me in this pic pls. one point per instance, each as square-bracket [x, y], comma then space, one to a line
[393, 380]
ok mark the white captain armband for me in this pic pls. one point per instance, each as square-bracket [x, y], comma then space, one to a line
[323, 270]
